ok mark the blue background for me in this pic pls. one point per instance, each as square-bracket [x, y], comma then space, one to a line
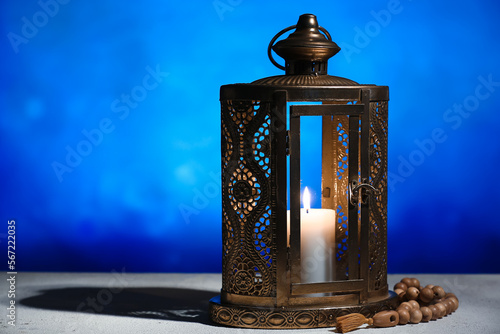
[120, 207]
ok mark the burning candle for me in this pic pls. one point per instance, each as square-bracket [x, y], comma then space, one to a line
[317, 242]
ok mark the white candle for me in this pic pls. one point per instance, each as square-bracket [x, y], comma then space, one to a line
[317, 242]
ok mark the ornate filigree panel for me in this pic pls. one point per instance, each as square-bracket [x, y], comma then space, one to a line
[341, 157]
[262, 237]
[261, 146]
[378, 207]
[248, 262]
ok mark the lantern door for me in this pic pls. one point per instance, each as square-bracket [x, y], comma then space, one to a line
[345, 193]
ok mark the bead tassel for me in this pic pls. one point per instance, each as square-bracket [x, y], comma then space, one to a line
[352, 321]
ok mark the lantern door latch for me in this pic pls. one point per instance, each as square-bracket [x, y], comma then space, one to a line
[359, 192]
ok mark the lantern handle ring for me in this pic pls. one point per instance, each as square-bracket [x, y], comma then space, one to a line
[271, 43]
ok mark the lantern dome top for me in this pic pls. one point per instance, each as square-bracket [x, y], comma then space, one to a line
[306, 45]
[306, 52]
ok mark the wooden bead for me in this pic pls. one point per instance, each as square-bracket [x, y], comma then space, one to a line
[426, 295]
[449, 305]
[407, 281]
[402, 297]
[415, 316]
[454, 303]
[449, 294]
[442, 309]
[401, 286]
[426, 313]
[406, 303]
[399, 291]
[454, 300]
[412, 293]
[414, 304]
[438, 292]
[435, 301]
[435, 312]
[430, 286]
[405, 306]
[415, 283]
[404, 316]
[386, 319]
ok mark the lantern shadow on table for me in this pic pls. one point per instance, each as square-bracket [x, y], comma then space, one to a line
[176, 304]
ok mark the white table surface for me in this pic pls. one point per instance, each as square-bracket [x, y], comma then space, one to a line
[177, 303]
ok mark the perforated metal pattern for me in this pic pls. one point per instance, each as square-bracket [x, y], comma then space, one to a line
[342, 157]
[248, 262]
[378, 207]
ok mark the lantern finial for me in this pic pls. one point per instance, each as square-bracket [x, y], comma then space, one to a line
[307, 50]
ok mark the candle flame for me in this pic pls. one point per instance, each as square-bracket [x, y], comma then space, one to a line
[306, 199]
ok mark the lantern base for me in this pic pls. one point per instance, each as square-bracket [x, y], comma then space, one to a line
[309, 317]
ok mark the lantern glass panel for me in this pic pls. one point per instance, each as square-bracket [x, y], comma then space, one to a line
[317, 226]
[310, 158]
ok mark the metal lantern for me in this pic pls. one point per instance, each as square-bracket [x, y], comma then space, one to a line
[265, 283]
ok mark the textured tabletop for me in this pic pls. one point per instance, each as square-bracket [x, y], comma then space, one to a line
[119, 302]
